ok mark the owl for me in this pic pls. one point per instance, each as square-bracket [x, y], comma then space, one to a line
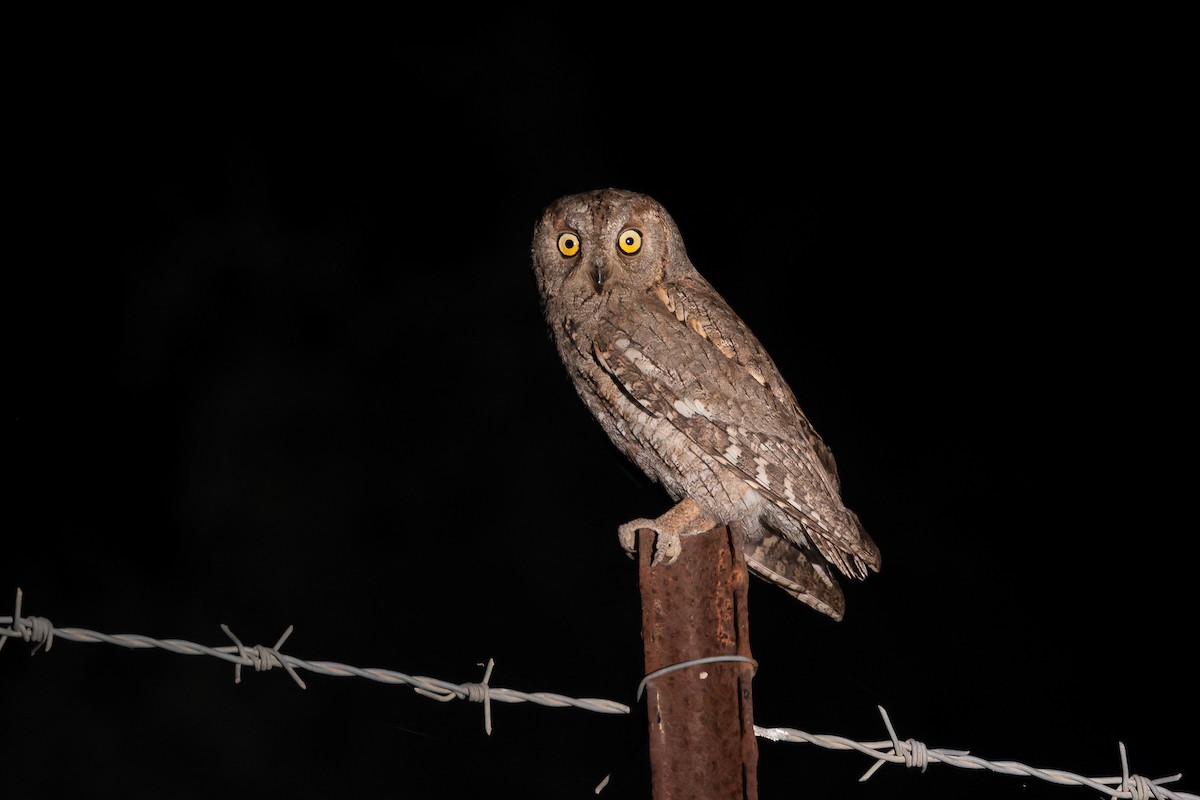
[682, 386]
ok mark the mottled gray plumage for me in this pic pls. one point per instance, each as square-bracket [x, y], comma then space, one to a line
[683, 388]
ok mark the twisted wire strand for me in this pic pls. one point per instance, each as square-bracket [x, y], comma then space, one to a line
[910, 752]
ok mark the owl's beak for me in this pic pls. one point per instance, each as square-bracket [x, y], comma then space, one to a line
[599, 275]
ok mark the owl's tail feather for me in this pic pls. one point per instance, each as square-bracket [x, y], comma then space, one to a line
[863, 550]
[803, 575]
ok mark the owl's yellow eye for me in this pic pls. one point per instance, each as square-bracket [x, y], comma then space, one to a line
[630, 241]
[568, 244]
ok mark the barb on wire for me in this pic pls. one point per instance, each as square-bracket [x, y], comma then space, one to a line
[263, 658]
[913, 753]
[32, 629]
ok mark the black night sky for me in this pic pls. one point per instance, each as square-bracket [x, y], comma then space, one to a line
[276, 359]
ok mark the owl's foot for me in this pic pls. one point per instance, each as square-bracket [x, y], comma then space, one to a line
[685, 519]
[667, 546]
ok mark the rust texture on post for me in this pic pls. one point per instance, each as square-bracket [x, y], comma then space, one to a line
[701, 718]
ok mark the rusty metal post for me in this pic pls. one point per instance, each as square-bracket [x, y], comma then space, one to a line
[701, 718]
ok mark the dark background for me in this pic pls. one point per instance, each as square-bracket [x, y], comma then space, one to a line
[276, 358]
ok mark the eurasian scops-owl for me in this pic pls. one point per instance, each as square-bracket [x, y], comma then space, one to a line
[683, 388]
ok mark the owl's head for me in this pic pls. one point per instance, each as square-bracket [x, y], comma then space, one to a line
[591, 246]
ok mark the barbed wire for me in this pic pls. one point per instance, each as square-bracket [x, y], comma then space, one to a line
[40, 630]
[912, 753]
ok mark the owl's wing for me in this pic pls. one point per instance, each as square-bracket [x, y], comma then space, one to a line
[702, 369]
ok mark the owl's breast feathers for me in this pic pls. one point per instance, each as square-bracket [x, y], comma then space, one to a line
[730, 401]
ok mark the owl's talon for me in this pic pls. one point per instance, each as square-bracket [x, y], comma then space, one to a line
[627, 534]
[667, 548]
